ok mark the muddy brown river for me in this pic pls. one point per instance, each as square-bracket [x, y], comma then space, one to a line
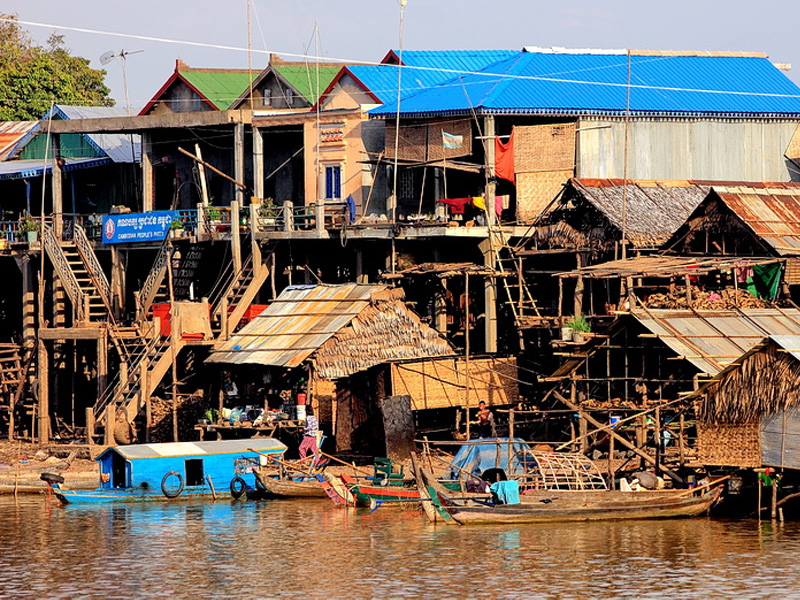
[310, 549]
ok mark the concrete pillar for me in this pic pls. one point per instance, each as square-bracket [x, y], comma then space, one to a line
[119, 259]
[238, 161]
[258, 162]
[43, 410]
[236, 241]
[489, 299]
[490, 189]
[148, 173]
[102, 363]
[57, 187]
[361, 276]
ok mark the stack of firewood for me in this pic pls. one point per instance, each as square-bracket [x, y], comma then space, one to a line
[724, 299]
[190, 409]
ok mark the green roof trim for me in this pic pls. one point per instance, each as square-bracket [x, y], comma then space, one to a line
[304, 79]
[221, 88]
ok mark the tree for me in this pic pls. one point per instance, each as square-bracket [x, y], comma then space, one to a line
[33, 77]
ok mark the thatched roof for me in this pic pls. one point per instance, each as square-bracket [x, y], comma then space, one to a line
[342, 328]
[653, 209]
[761, 383]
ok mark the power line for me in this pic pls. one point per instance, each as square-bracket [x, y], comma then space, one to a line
[454, 72]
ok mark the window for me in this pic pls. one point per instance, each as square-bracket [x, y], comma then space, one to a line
[333, 182]
[289, 97]
[194, 471]
[267, 97]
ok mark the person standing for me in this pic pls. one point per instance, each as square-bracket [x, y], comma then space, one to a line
[309, 443]
[485, 421]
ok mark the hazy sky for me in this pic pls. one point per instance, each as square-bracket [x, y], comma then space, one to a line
[366, 29]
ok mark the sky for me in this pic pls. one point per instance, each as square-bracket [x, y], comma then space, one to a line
[364, 30]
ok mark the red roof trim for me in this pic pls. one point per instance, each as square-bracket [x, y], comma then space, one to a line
[173, 78]
[335, 80]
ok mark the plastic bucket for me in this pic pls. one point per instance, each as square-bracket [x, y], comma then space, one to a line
[301, 399]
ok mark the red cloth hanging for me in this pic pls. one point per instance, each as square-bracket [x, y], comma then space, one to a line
[504, 159]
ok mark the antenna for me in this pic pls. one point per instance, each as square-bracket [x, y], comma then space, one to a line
[107, 57]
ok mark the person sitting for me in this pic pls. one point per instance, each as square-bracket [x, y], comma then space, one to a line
[505, 492]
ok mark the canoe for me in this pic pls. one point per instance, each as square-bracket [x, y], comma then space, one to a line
[553, 506]
[289, 488]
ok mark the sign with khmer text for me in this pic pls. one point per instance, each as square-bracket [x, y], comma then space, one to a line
[137, 227]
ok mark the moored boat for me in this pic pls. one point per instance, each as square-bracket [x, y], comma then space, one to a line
[574, 505]
[289, 488]
[174, 471]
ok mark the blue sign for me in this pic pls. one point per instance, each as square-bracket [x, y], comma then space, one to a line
[137, 227]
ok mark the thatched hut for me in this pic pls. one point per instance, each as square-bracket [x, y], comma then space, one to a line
[345, 334]
[749, 413]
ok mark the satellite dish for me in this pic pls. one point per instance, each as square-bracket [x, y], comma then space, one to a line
[107, 57]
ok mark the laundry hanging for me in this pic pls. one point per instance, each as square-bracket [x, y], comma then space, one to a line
[504, 159]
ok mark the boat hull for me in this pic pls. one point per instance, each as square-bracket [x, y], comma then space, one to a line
[104, 496]
[554, 506]
[286, 488]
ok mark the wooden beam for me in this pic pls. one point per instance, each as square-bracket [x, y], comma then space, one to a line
[143, 123]
[607, 427]
[71, 333]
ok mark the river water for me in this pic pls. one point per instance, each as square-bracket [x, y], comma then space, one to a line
[310, 549]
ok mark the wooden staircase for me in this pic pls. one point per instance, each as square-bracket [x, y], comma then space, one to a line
[509, 266]
[79, 271]
[238, 295]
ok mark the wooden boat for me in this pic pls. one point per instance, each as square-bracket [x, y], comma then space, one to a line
[368, 495]
[173, 471]
[289, 488]
[575, 505]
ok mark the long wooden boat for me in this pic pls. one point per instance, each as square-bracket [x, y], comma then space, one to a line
[173, 471]
[551, 506]
[368, 495]
[289, 488]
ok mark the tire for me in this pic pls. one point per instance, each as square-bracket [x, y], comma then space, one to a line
[169, 492]
[238, 487]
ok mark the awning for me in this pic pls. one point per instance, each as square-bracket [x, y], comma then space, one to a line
[27, 169]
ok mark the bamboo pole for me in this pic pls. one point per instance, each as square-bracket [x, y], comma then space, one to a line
[622, 440]
[466, 350]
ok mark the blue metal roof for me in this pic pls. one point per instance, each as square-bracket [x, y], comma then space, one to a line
[424, 69]
[596, 83]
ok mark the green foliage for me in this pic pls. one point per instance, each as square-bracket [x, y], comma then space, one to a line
[176, 224]
[579, 324]
[32, 77]
[29, 223]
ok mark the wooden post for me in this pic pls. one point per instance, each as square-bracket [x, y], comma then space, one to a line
[111, 420]
[578, 296]
[774, 510]
[89, 426]
[466, 350]
[102, 363]
[489, 294]
[201, 171]
[510, 434]
[657, 434]
[681, 442]
[175, 335]
[688, 282]
[611, 469]
[319, 215]
[44, 393]
[759, 498]
[583, 429]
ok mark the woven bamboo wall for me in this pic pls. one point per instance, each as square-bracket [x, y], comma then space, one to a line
[544, 148]
[734, 445]
[792, 273]
[422, 143]
[536, 190]
[441, 383]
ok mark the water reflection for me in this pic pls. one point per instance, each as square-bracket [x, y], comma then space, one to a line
[311, 549]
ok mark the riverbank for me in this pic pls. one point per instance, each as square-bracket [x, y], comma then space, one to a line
[22, 463]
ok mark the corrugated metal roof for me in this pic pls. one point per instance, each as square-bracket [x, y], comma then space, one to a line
[304, 78]
[221, 87]
[296, 324]
[597, 84]
[711, 340]
[654, 209]
[772, 211]
[11, 132]
[120, 148]
[25, 169]
[195, 448]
